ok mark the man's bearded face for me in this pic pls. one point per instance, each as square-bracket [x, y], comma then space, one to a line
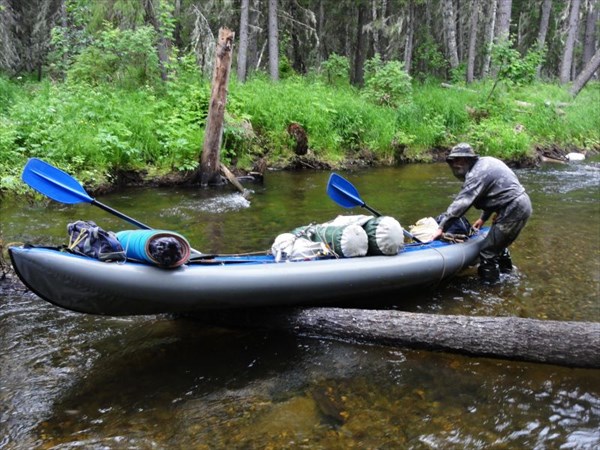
[460, 167]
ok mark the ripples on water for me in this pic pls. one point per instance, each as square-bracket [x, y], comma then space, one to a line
[69, 380]
[569, 178]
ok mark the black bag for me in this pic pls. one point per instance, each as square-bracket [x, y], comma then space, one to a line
[88, 239]
[457, 226]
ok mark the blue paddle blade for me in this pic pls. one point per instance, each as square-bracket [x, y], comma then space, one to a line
[343, 192]
[54, 183]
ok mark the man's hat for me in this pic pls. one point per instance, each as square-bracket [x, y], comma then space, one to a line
[461, 150]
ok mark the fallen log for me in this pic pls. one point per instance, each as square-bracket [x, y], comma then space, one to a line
[573, 344]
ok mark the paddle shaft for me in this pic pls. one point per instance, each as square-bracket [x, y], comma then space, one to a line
[63, 188]
[367, 207]
[120, 215]
[345, 194]
[405, 232]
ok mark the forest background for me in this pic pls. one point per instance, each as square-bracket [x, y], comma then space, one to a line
[102, 88]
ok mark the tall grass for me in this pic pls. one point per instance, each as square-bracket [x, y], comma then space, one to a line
[95, 131]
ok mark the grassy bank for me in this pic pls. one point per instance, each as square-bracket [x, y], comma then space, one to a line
[95, 131]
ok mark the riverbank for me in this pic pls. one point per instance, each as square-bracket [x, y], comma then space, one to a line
[142, 178]
[107, 137]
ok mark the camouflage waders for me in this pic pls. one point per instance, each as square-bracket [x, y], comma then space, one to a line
[494, 255]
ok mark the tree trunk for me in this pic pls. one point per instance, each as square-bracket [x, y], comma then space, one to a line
[567, 57]
[375, 28]
[252, 62]
[574, 344]
[410, 34]
[163, 44]
[273, 41]
[321, 50]
[586, 74]
[359, 54]
[589, 40]
[297, 60]
[503, 14]
[177, 38]
[209, 165]
[544, 22]
[491, 25]
[450, 32]
[472, 40]
[243, 43]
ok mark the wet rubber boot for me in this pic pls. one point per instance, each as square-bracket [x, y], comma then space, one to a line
[505, 262]
[488, 271]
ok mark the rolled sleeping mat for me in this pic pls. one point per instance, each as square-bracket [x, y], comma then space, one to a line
[348, 241]
[385, 236]
[162, 248]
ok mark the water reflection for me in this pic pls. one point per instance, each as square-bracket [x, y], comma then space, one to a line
[70, 380]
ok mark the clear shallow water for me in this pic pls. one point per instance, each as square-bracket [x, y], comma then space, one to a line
[74, 381]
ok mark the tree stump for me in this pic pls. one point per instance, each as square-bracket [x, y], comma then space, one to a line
[209, 163]
[296, 131]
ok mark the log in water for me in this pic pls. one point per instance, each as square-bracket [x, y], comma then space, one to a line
[573, 344]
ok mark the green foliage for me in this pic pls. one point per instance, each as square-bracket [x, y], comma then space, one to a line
[66, 42]
[514, 67]
[429, 59]
[349, 127]
[435, 117]
[458, 74]
[7, 93]
[386, 83]
[125, 58]
[495, 137]
[285, 67]
[96, 130]
[336, 70]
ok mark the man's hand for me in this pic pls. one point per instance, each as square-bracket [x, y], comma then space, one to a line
[478, 224]
[438, 233]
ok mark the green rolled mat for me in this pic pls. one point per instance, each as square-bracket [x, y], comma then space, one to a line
[344, 240]
[385, 236]
[162, 248]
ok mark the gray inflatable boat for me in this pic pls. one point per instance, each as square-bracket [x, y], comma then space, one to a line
[90, 286]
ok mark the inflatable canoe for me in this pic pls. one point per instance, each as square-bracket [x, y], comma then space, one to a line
[90, 286]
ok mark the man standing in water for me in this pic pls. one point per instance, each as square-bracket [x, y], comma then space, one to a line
[489, 185]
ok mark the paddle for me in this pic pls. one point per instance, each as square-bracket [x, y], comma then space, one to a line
[63, 188]
[345, 194]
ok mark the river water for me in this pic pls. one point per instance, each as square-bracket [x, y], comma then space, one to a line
[70, 380]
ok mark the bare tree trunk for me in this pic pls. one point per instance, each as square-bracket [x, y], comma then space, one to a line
[450, 32]
[410, 33]
[210, 164]
[321, 50]
[589, 40]
[375, 28]
[177, 31]
[460, 30]
[359, 53]
[574, 344]
[491, 25]
[243, 43]
[203, 43]
[567, 58]
[586, 74]
[472, 40]
[253, 54]
[163, 45]
[273, 41]
[297, 60]
[544, 22]
[503, 14]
